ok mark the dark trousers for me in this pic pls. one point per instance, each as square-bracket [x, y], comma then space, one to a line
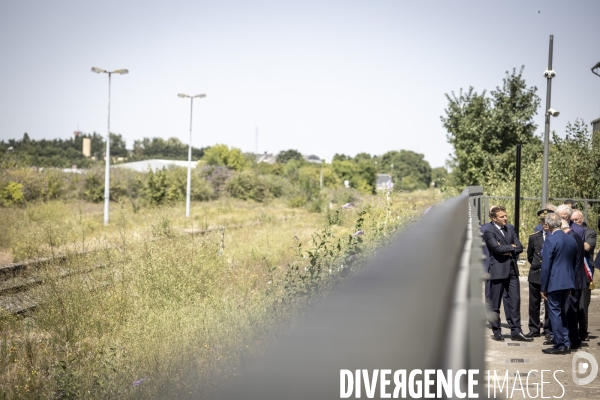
[572, 317]
[510, 289]
[504, 297]
[535, 299]
[558, 304]
[582, 316]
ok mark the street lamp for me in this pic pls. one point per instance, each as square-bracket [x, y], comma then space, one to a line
[107, 172]
[596, 67]
[549, 74]
[189, 174]
[596, 123]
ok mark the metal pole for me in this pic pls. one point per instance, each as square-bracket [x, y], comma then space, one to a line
[189, 174]
[486, 209]
[321, 177]
[107, 172]
[547, 129]
[518, 190]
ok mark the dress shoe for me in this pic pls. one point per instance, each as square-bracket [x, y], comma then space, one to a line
[549, 342]
[498, 337]
[575, 347]
[521, 338]
[586, 338]
[532, 334]
[554, 350]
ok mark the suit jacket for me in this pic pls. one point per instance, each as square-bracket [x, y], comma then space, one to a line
[534, 256]
[503, 256]
[590, 238]
[558, 261]
[580, 278]
[578, 229]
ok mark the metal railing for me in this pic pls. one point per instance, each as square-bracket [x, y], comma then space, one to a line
[418, 305]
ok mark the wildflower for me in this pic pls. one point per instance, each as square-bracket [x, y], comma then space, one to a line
[348, 206]
[139, 382]
[358, 233]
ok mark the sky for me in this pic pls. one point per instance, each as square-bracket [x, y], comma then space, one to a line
[322, 77]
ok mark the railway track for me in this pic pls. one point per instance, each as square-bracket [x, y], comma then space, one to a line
[22, 283]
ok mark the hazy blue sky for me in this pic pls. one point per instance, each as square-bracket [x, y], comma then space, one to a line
[318, 76]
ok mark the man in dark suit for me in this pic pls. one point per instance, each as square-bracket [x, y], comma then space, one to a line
[503, 246]
[486, 266]
[534, 256]
[581, 282]
[589, 246]
[558, 279]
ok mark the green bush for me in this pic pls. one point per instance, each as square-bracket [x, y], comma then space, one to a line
[222, 155]
[41, 184]
[93, 185]
[12, 194]
[156, 187]
[247, 186]
[277, 186]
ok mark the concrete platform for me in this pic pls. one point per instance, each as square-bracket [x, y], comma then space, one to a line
[527, 358]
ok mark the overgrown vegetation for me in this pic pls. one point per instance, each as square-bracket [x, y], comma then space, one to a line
[222, 171]
[173, 314]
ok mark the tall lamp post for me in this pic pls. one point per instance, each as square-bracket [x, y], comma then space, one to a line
[107, 172]
[549, 74]
[189, 174]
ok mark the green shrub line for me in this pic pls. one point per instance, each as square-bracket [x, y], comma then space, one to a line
[173, 318]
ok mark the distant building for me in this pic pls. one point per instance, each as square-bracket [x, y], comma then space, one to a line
[87, 146]
[384, 182]
[142, 166]
[266, 158]
[313, 159]
[596, 125]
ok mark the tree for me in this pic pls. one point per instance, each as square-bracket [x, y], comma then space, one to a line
[284, 156]
[341, 157]
[363, 157]
[574, 171]
[362, 175]
[407, 164]
[117, 145]
[222, 155]
[482, 129]
[59, 153]
[170, 149]
[439, 176]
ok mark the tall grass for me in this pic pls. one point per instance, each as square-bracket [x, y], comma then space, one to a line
[168, 317]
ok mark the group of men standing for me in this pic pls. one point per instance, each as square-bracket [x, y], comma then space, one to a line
[561, 255]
